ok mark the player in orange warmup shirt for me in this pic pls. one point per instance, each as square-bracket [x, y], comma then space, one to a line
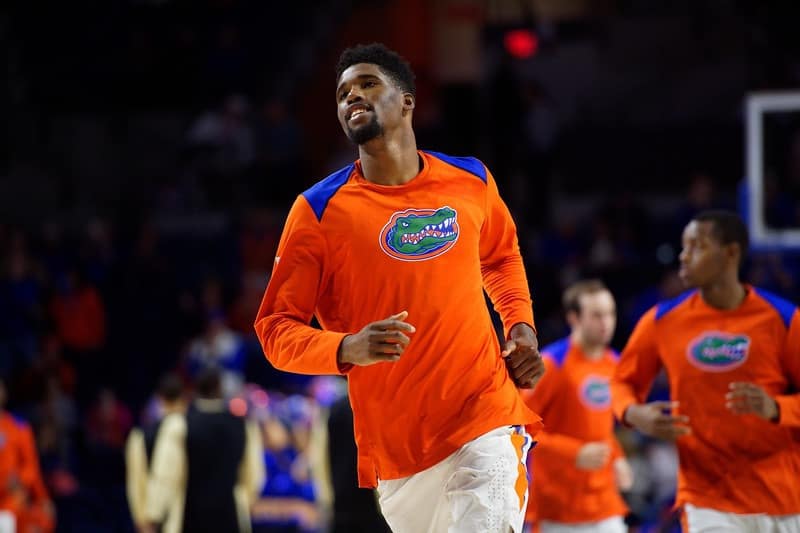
[732, 355]
[392, 254]
[25, 506]
[579, 468]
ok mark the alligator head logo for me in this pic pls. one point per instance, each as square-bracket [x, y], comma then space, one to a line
[718, 352]
[419, 234]
[595, 392]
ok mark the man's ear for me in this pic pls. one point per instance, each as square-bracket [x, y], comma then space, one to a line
[572, 319]
[734, 252]
[409, 102]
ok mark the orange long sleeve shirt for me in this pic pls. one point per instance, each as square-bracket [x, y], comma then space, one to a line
[353, 252]
[731, 463]
[574, 400]
[22, 489]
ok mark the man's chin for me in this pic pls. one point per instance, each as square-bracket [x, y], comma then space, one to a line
[687, 280]
[364, 134]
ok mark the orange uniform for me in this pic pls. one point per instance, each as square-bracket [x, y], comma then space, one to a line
[22, 490]
[573, 398]
[353, 252]
[730, 463]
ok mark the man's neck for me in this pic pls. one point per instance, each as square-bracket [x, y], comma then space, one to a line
[590, 351]
[169, 409]
[390, 159]
[726, 293]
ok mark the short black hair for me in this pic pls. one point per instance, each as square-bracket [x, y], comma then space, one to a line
[727, 227]
[208, 383]
[170, 387]
[571, 300]
[389, 61]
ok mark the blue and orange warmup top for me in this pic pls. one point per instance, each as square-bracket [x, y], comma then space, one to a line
[732, 463]
[353, 252]
[574, 400]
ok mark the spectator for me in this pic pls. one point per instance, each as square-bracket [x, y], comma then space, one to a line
[140, 444]
[207, 466]
[24, 502]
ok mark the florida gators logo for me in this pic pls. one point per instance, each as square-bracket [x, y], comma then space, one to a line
[595, 392]
[718, 352]
[419, 234]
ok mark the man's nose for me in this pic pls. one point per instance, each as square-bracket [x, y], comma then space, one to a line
[353, 96]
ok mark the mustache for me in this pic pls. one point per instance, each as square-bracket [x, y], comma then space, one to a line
[355, 107]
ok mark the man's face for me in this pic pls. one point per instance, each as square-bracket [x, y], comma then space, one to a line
[368, 102]
[597, 317]
[703, 258]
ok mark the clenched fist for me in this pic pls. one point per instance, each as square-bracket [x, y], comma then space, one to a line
[521, 353]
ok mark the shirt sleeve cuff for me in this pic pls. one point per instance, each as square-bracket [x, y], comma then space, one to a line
[788, 409]
[519, 319]
[341, 368]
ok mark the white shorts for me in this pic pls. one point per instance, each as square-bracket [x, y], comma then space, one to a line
[480, 488]
[704, 520]
[614, 524]
[8, 523]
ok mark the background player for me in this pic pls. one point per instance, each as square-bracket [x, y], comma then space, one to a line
[732, 354]
[579, 467]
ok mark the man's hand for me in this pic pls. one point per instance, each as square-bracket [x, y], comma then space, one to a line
[377, 342]
[521, 353]
[750, 399]
[654, 420]
[593, 456]
[624, 474]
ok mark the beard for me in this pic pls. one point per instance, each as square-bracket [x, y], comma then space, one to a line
[365, 133]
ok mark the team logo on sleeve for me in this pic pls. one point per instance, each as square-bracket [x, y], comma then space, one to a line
[718, 352]
[419, 234]
[595, 392]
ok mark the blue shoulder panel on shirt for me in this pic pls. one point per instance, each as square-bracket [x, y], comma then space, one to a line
[784, 308]
[320, 194]
[666, 306]
[18, 420]
[470, 164]
[558, 350]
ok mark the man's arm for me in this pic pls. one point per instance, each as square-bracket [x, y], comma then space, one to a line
[749, 398]
[637, 368]
[506, 284]
[169, 469]
[136, 474]
[789, 404]
[41, 505]
[252, 472]
[501, 263]
[622, 468]
[291, 298]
